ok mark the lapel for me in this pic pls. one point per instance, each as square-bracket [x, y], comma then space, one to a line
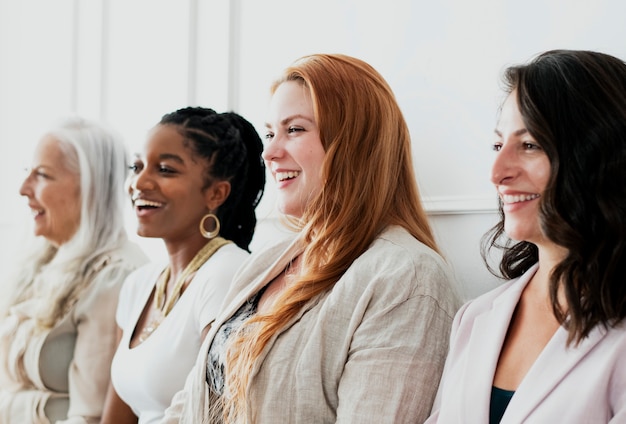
[485, 337]
[270, 343]
[267, 264]
[554, 363]
[265, 268]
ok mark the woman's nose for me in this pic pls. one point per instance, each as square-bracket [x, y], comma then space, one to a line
[504, 165]
[141, 180]
[25, 188]
[272, 150]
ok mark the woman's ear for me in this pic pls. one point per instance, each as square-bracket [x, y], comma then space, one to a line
[216, 194]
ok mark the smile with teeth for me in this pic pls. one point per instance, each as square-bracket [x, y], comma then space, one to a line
[282, 176]
[517, 198]
[36, 212]
[143, 203]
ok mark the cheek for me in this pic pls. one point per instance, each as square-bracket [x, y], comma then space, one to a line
[69, 206]
[542, 175]
[67, 209]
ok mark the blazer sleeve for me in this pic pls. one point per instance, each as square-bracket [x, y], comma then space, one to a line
[89, 372]
[23, 407]
[398, 350]
[617, 394]
[453, 332]
[173, 413]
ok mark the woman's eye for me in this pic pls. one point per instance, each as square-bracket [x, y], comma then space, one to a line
[134, 168]
[269, 136]
[496, 147]
[531, 146]
[294, 129]
[166, 170]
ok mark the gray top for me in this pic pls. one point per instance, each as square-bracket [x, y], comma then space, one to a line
[217, 351]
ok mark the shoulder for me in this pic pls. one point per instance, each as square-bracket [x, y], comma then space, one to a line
[263, 259]
[129, 256]
[120, 276]
[398, 267]
[141, 279]
[508, 291]
[397, 255]
[111, 269]
[397, 249]
[228, 256]
[223, 263]
[215, 276]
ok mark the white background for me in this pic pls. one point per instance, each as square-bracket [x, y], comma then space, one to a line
[130, 61]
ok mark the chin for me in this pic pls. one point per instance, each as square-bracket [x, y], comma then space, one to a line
[291, 212]
[517, 235]
[142, 232]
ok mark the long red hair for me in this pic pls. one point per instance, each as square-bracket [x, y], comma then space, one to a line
[368, 184]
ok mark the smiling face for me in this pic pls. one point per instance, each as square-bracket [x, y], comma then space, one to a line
[167, 187]
[293, 153]
[520, 173]
[53, 192]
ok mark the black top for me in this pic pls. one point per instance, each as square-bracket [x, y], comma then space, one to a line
[499, 401]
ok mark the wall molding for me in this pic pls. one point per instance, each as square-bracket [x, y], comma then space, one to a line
[234, 58]
[460, 205]
[192, 58]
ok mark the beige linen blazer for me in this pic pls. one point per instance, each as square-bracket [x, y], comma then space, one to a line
[71, 361]
[371, 350]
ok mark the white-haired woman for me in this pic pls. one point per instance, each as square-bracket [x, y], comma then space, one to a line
[57, 336]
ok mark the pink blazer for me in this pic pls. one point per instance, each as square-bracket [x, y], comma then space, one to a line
[579, 384]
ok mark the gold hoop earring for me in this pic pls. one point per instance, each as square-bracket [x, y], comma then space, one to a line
[210, 234]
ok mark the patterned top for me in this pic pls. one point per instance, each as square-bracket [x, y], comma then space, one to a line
[217, 350]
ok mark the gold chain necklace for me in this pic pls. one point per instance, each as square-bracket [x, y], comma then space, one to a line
[162, 307]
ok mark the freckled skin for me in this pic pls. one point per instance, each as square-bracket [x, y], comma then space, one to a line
[294, 145]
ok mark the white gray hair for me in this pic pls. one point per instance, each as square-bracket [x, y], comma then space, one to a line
[58, 275]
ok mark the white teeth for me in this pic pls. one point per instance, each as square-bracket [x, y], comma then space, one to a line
[281, 176]
[510, 198]
[36, 212]
[143, 202]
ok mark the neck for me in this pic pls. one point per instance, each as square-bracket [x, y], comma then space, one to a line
[180, 281]
[549, 257]
[181, 253]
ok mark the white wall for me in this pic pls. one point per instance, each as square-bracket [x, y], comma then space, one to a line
[130, 61]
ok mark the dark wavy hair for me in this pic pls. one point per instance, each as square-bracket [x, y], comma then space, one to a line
[573, 103]
[233, 149]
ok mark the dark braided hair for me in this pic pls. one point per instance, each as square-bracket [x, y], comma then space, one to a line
[233, 149]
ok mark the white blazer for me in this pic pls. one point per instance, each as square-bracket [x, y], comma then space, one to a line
[579, 384]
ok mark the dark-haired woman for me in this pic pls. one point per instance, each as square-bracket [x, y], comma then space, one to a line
[195, 185]
[549, 346]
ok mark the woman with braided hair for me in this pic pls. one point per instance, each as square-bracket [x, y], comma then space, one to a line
[195, 185]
